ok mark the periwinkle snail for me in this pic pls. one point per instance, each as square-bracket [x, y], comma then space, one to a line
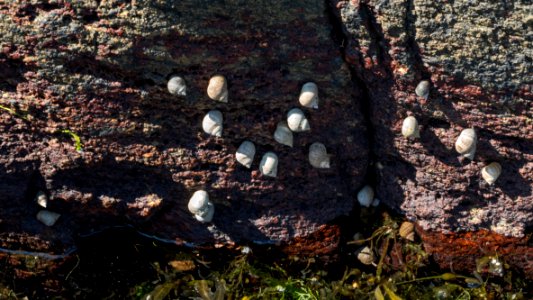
[422, 89]
[318, 156]
[365, 196]
[466, 143]
[491, 172]
[41, 199]
[407, 231]
[269, 164]
[283, 134]
[48, 218]
[200, 206]
[309, 95]
[365, 255]
[212, 123]
[410, 128]
[297, 121]
[245, 154]
[217, 88]
[176, 86]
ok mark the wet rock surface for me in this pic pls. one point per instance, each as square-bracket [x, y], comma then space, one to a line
[100, 69]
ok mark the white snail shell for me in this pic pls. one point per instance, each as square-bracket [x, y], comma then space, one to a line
[365, 255]
[309, 95]
[245, 154]
[466, 143]
[176, 86]
[218, 88]
[41, 199]
[491, 172]
[365, 196]
[422, 89]
[376, 202]
[318, 156]
[269, 164]
[212, 123]
[297, 121]
[407, 231]
[410, 128]
[48, 218]
[283, 134]
[200, 206]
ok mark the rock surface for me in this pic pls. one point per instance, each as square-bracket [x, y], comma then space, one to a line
[99, 70]
[478, 59]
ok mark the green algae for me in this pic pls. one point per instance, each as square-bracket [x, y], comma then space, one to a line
[140, 268]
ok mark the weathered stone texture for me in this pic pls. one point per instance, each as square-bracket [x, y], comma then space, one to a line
[100, 68]
[478, 58]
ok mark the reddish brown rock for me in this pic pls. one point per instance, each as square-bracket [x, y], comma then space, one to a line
[99, 70]
[475, 55]
[461, 251]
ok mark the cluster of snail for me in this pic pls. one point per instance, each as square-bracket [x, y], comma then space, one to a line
[212, 123]
[48, 218]
[465, 144]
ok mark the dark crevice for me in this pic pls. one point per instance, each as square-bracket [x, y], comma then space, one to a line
[411, 44]
[340, 37]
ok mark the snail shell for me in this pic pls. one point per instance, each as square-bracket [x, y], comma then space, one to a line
[200, 206]
[318, 156]
[309, 95]
[218, 88]
[491, 172]
[297, 121]
[245, 154]
[269, 164]
[376, 202]
[466, 143]
[410, 128]
[48, 218]
[407, 231]
[283, 134]
[365, 196]
[41, 199]
[365, 255]
[422, 89]
[212, 123]
[176, 86]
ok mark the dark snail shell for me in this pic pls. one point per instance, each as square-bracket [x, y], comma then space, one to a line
[48, 218]
[318, 156]
[365, 196]
[422, 89]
